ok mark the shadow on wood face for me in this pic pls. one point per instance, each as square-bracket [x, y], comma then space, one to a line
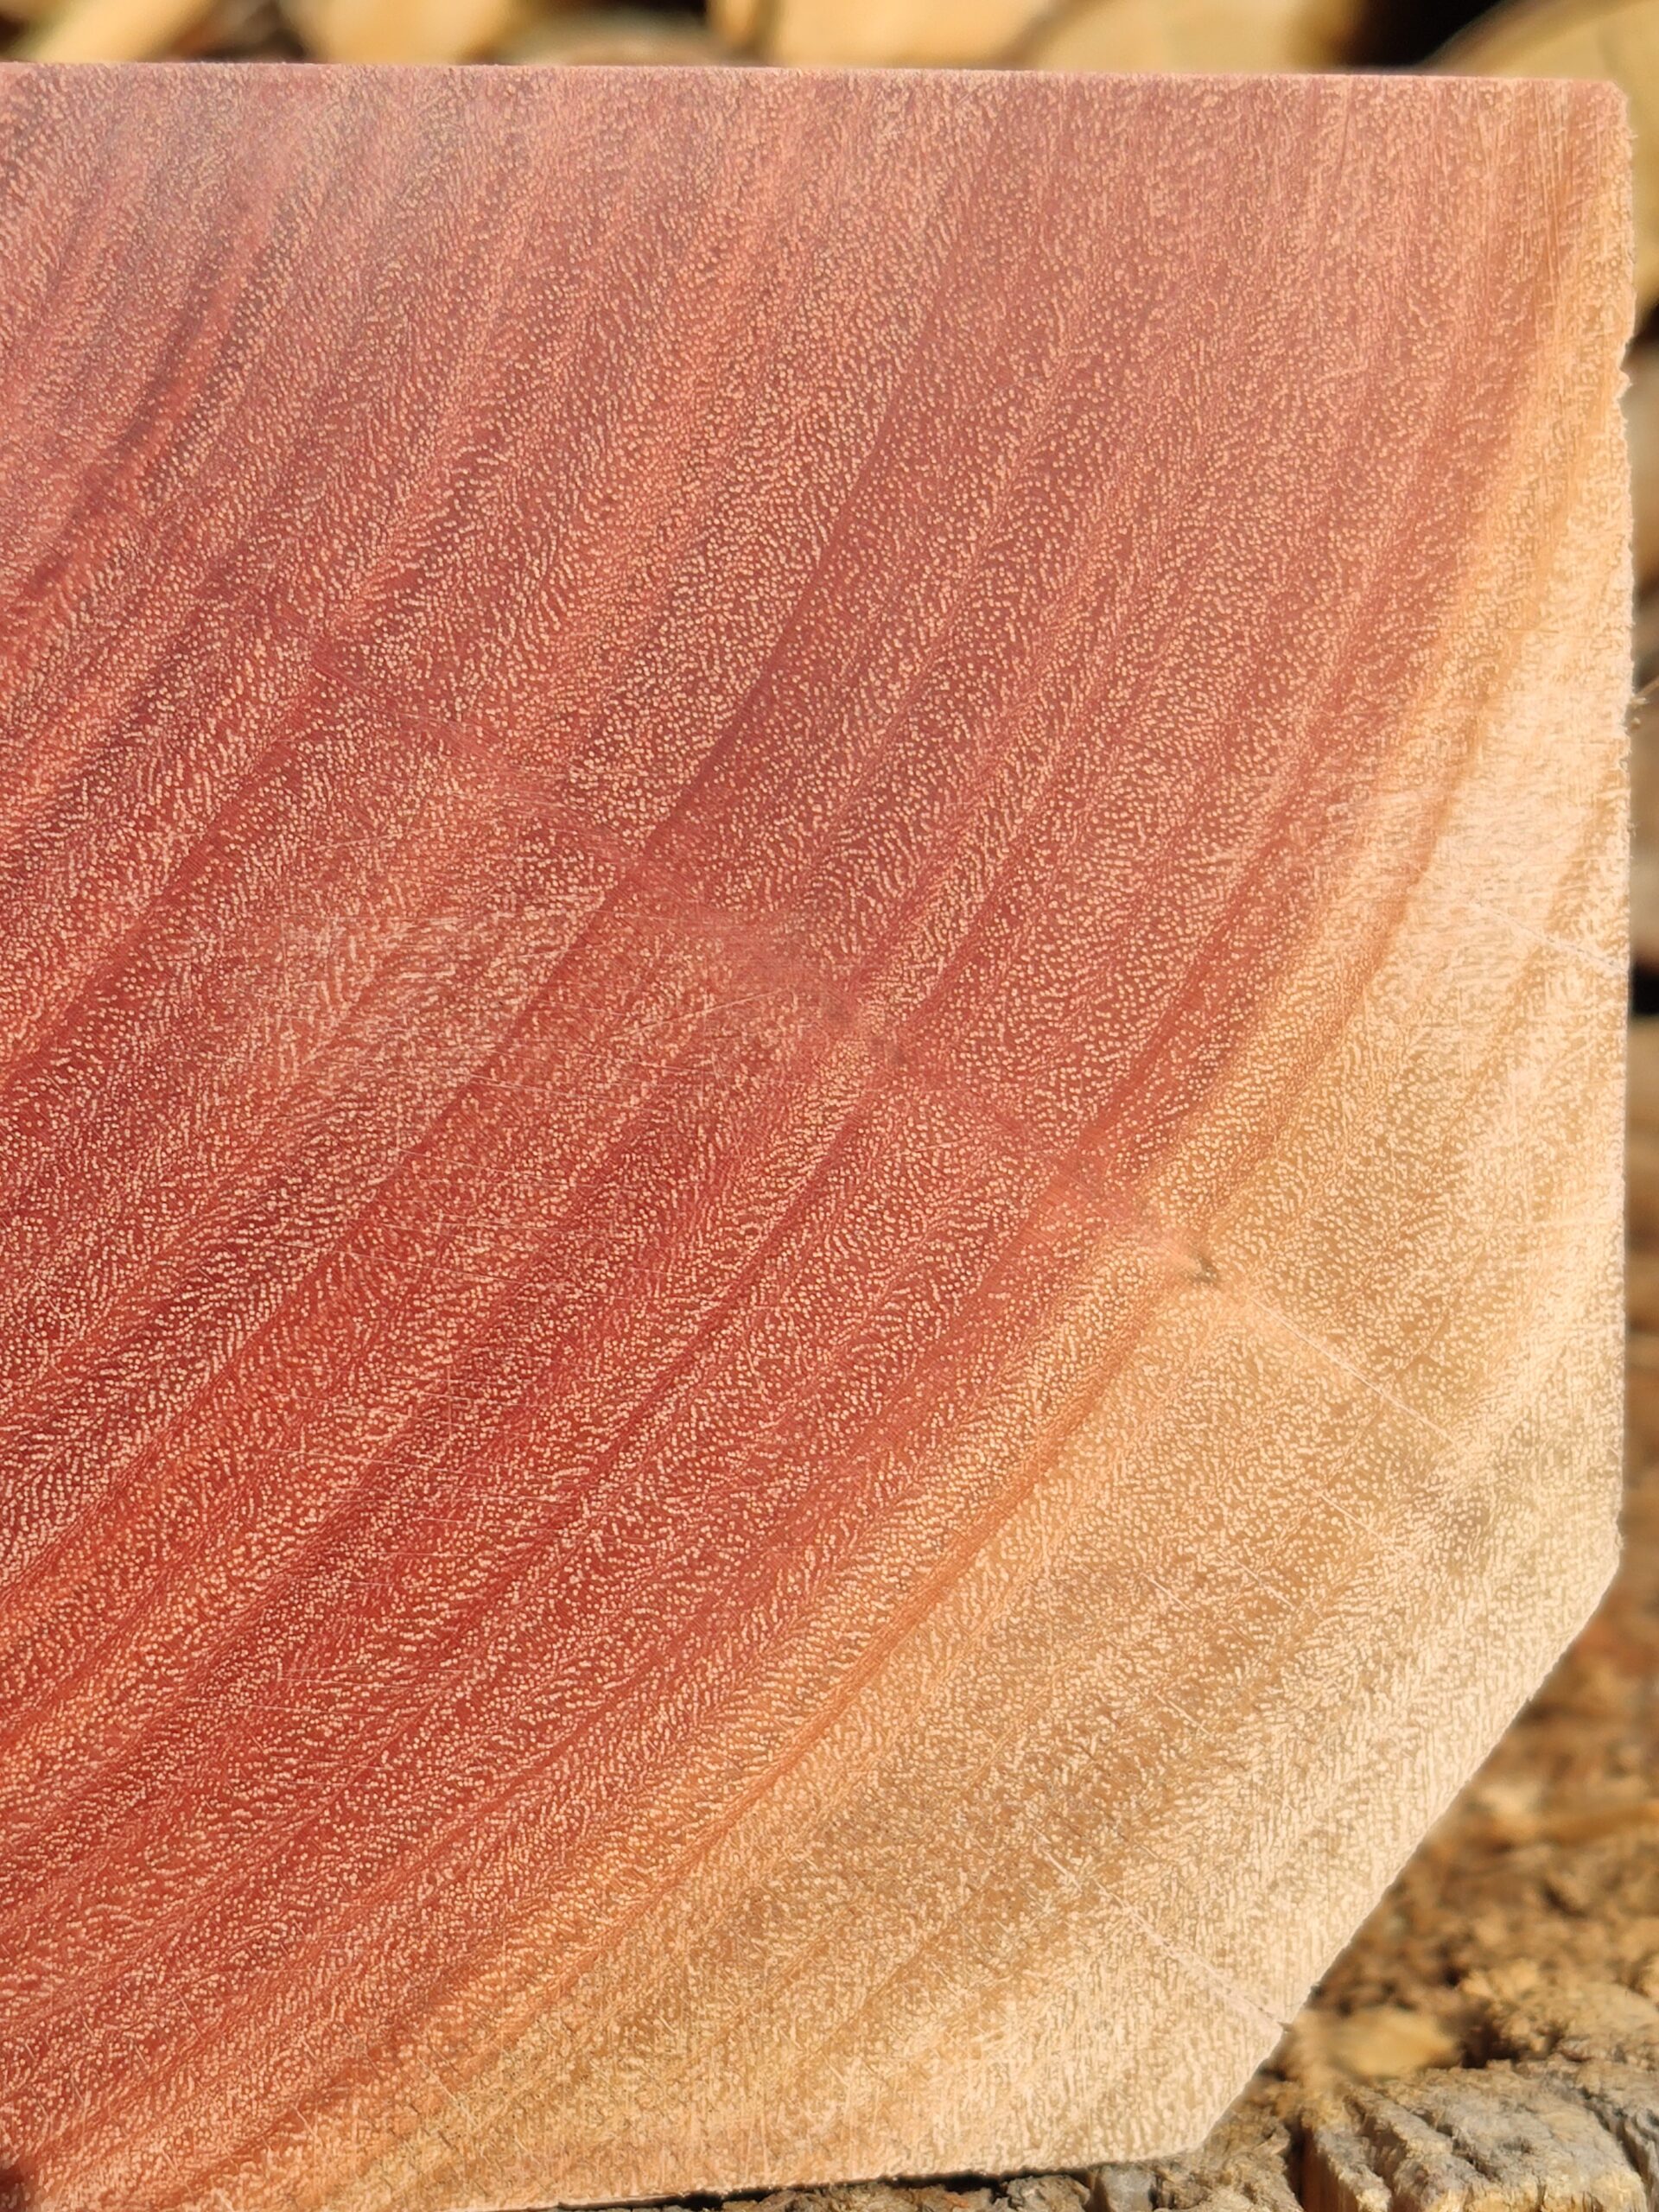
[811, 1128]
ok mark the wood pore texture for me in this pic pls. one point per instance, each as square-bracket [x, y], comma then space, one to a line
[812, 973]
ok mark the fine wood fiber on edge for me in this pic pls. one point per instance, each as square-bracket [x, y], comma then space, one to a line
[812, 989]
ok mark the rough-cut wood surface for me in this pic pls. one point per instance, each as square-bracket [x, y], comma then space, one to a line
[1490, 2041]
[811, 992]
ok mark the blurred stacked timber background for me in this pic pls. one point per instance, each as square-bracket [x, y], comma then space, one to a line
[1598, 38]
[1490, 2043]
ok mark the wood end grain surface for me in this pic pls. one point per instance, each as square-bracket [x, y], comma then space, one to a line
[811, 990]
